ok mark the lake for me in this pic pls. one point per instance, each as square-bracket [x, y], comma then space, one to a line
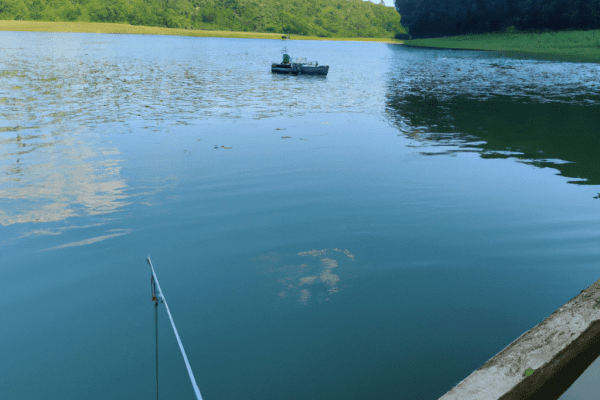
[377, 233]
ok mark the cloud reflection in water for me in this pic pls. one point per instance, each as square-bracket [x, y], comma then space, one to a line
[64, 178]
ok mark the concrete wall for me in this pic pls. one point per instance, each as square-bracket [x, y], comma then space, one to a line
[559, 349]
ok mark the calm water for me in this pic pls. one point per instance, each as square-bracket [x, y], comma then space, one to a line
[427, 208]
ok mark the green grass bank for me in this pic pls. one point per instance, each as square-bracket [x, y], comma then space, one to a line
[94, 27]
[578, 46]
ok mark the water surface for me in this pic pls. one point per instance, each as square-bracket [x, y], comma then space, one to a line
[378, 233]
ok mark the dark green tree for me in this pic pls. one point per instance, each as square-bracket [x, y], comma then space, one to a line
[434, 18]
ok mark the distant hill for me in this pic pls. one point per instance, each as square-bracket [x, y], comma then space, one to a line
[325, 18]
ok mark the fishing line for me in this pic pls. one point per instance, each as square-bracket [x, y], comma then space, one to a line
[156, 331]
[155, 300]
[154, 283]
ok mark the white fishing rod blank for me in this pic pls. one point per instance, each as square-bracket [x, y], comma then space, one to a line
[187, 363]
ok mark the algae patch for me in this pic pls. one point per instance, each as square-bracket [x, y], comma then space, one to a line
[309, 276]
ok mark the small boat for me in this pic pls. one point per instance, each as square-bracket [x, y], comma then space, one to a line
[298, 67]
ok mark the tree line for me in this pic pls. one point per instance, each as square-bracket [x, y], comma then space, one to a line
[325, 18]
[436, 18]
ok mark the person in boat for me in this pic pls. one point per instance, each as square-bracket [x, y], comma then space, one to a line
[286, 59]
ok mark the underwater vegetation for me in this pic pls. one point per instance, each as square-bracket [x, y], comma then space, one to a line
[313, 274]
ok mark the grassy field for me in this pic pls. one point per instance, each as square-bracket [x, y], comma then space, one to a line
[563, 45]
[91, 27]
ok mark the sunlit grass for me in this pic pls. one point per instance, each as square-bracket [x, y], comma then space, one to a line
[92, 27]
[562, 45]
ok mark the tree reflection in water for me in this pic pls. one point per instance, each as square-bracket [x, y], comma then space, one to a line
[546, 123]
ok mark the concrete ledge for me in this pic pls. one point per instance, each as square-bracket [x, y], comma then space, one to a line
[559, 349]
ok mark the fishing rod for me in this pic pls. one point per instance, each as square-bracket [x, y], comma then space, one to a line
[155, 298]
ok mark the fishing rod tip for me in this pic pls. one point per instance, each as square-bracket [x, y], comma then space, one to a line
[148, 260]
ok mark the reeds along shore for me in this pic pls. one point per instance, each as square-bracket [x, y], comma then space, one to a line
[580, 46]
[93, 27]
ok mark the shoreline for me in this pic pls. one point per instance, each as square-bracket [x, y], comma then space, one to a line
[112, 28]
[571, 46]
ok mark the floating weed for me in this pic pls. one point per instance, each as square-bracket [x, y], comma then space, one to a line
[16, 87]
[49, 79]
[8, 73]
[528, 372]
[10, 128]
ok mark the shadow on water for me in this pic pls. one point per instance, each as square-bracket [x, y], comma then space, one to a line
[545, 114]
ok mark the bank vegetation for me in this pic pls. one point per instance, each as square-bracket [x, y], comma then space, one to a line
[98, 27]
[583, 46]
[318, 18]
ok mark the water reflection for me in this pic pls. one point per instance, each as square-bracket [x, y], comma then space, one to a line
[57, 101]
[77, 78]
[118, 232]
[544, 113]
[47, 177]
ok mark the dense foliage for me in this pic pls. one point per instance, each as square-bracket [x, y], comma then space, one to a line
[435, 18]
[326, 18]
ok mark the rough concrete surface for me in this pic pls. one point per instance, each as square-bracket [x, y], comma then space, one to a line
[559, 345]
